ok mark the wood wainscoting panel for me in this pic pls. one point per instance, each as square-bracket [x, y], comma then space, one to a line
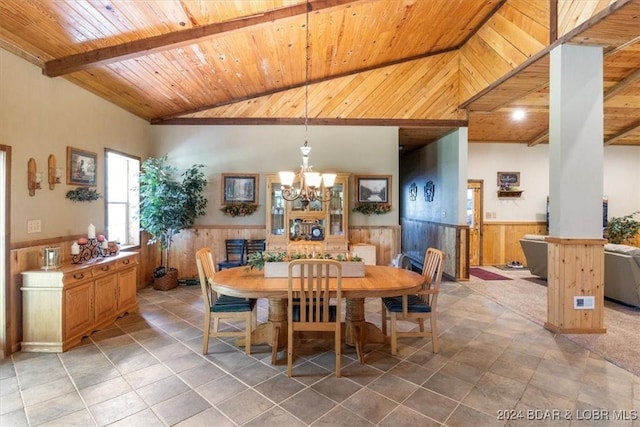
[501, 241]
[576, 269]
[418, 236]
[386, 239]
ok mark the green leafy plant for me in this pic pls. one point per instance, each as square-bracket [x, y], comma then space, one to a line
[622, 229]
[258, 259]
[239, 209]
[169, 201]
[372, 208]
[83, 194]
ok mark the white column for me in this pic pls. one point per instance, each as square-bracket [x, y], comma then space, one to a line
[576, 148]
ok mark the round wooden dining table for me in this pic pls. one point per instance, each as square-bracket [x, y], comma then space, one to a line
[378, 281]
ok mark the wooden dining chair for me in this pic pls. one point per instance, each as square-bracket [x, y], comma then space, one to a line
[417, 307]
[305, 247]
[309, 303]
[252, 246]
[218, 307]
[234, 251]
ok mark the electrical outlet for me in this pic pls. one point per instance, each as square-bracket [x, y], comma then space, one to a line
[34, 226]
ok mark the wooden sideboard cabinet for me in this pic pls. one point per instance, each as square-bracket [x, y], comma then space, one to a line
[61, 306]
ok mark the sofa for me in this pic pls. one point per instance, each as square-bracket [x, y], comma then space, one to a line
[535, 251]
[621, 267]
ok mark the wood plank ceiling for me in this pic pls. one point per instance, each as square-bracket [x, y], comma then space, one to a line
[426, 66]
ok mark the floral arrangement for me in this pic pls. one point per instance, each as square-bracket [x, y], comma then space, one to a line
[258, 259]
[83, 194]
[372, 208]
[239, 209]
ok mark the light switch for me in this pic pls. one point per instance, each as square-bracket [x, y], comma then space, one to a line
[34, 226]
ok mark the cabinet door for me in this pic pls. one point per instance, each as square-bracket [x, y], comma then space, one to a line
[127, 280]
[276, 208]
[106, 289]
[337, 214]
[78, 310]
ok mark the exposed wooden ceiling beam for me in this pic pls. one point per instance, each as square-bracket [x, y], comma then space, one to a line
[567, 38]
[146, 46]
[313, 122]
[538, 138]
[622, 134]
[613, 90]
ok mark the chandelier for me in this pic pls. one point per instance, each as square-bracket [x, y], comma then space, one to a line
[311, 186]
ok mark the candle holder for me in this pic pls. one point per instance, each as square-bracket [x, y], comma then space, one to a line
[51, 258]
[90, 250]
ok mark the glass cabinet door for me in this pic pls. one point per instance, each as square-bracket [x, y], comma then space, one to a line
[277, 222]
[336, 211]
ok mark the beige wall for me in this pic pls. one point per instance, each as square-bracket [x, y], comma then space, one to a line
[621, 169]
[40, 116]
[268, 149]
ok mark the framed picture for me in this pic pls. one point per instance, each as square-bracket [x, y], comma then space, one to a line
[373, 188]
[508, 179]
[239, 188]
[81, 167]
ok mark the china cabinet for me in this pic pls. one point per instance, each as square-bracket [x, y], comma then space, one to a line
[316, 221]
[61, 306]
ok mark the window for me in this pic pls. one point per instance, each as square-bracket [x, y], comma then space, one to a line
[122, 198]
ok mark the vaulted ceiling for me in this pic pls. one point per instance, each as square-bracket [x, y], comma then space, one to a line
[427, 66]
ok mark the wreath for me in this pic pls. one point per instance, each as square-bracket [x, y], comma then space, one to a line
[83, 194]
[239, 209]
[372, 208]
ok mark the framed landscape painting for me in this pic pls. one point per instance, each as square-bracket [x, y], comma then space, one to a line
[239, 188]
[373, 188]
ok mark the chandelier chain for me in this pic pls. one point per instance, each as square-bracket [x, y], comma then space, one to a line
[306, 79]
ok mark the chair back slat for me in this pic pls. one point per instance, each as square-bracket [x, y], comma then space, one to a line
[254, 245]
[235, 249]
[206, 269]
[432, 274]
[310, 283]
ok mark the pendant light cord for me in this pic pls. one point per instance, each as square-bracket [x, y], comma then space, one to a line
[306, 80]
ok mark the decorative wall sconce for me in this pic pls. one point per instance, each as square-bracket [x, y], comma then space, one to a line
[34, 178]
[54, 173]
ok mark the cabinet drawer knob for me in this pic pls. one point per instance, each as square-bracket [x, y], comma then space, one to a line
[78, 276]
[105, 268]
[126, 261]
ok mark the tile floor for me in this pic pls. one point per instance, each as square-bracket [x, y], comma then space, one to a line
[494, 368]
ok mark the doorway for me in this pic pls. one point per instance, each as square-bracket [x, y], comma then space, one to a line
[5, 156]
[474, 220]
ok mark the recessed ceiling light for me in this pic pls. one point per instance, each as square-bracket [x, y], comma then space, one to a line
[518, 115]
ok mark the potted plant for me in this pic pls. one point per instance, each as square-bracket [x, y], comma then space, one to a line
[622, 229]
[169, 203]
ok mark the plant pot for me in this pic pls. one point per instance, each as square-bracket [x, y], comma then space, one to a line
[281, 269]
[166, 282]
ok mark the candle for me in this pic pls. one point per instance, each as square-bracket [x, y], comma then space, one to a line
[75, 249]
[91, 231]
[105, 244]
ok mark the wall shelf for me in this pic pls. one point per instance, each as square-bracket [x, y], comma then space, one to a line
[510, 193]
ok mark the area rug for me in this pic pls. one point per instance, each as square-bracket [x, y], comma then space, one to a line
[486, 275]
[507, 268]
[527, 296]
